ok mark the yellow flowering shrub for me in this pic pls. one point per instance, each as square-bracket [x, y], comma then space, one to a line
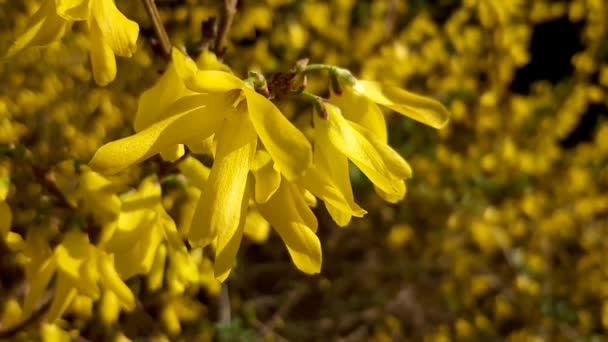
[140, 196]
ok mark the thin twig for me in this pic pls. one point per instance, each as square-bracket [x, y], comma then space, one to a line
[43, 305]
[225, 24]
[224, 311]
[159, 28]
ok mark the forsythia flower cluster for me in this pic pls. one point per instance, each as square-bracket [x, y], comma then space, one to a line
[261, 160]
[501, 236]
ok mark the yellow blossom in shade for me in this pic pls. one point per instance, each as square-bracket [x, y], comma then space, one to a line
[110, 32]
[141, 227]
[378, 161]
[256, 227]
[79, 267]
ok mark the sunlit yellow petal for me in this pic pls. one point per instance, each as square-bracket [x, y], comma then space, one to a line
[267, 178]
[321, 186]
[303, 245]
[103, 61]
[393, 160]
[207, 60]
[156, 100]
[74, 9]
[329, 161]
[199, 120]
[393, 197]
[288, 147]
[419, 108]
[360, 109]
[227, 245]
[173, 153]
[213, 81]
[306, 214]
[118, 32]
[219, 207]
[44, 27]
[346, 139]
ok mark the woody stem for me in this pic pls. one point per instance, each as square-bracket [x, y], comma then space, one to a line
[159, 28]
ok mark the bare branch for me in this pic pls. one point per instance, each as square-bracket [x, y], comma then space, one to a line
[159, 28]
[225, 24]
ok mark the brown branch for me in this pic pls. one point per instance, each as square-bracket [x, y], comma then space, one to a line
[43, 305]
[159, 28]
[225, 24]
[224, 311]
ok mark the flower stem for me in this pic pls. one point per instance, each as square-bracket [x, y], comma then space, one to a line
[225, 24]
[159, 28]
[343, 75]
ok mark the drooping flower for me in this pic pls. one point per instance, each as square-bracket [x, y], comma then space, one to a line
[230, 109]
[110, 32]
[343, 138]
[359, 103]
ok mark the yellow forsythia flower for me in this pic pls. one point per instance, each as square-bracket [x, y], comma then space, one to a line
[110, 32]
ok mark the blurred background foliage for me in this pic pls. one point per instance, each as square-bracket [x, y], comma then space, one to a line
[502, 234]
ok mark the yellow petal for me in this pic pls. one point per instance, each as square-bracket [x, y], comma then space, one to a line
[184, 66]
[227, 244]
[361, 110]
[103, 61]
[306, 214]
[419, 108]
[111, 280]
[395, 196]
[207, 60]
[44, 27]
[63, 296]
[74, 9]
[156, 100]
[173, 153]
[334, 165]
[157, 271]
[72, 255]
[213, 81]
[219, 207]
[303, 245]
[346, 139]
[398, 166]
[53, 333]
[288, 147]
[256, 227]
[118, 32]
[196, 173]
[199, 116]
[324, 188]
[109, 307]
[267, 179]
